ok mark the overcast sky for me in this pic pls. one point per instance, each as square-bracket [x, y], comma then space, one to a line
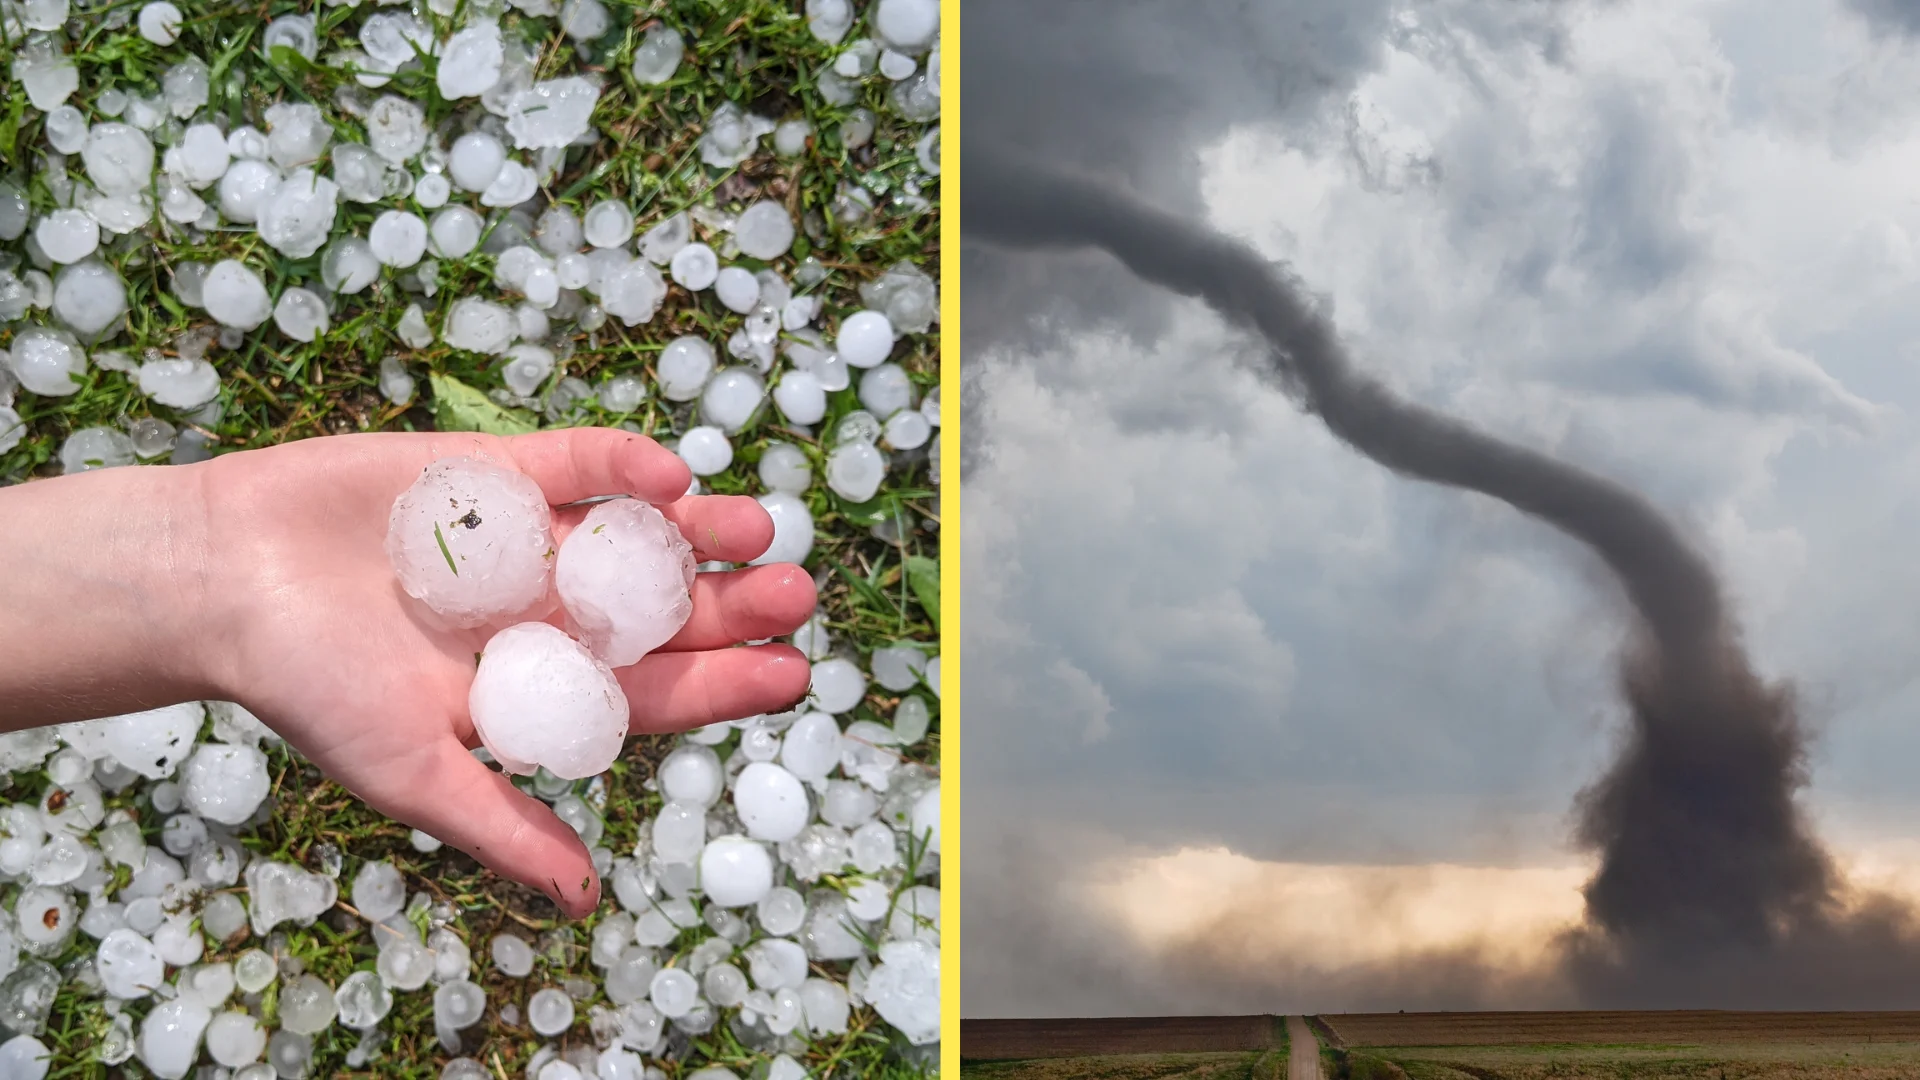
[1671, 240]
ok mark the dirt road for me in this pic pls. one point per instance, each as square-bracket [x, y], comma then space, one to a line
[1303, 1059]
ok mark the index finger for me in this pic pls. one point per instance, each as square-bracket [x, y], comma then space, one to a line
[579, 463]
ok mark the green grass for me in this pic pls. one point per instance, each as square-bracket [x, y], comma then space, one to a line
[757, 53]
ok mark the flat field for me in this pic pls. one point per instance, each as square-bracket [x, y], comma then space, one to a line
[1631, 1045]
[984, 1040]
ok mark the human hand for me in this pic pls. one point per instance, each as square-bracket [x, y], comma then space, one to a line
[306, 626]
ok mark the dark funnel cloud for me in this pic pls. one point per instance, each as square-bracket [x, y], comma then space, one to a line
[1711, 889]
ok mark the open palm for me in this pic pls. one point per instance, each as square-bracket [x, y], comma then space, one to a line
[316, 637]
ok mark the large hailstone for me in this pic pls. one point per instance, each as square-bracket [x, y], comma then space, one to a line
[540, 698]
[226, 783]
[625, 577]
[471, 540]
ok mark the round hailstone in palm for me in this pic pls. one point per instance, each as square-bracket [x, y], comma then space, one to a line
[551, 113]
[475, 161]
[235, 296]
[800, 397]
[625, 575]
[470, 62]
[735, 872]
[471, 540]
[866, 337]
[226, 783]
[706, 450]
[301, 314]
[540, 699]
[299, 217]
[90, 298]
[67, 236]
[658, 55]
[119, 158]
[455, 231]
[160, 23]
[47, 360]
[127, 965]
[854, 470]
[771, 802]
[764, 230]
[246, 189]
[608, 224]
[179, 384]
[738, 289]
[398, 238]
[170, 1037]
[792, 529]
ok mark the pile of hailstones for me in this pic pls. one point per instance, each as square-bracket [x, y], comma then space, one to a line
[286, 184]
[734, 838]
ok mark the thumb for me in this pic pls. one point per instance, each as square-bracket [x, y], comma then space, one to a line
[459, 801]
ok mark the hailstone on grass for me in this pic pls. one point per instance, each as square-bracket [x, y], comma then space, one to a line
[625, 575]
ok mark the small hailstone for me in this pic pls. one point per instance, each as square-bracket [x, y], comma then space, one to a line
[299, 217]
[764, 230]
[160, 23]
[790, 138]
[659, 244]
[235, 1040]
[66, 129]
[527, 367]
[470, 62]
[432, 191]
[398, 238]
[658, 55]
[608, 224]
[95, 448]
[396, 128]
[362, 1000]
[674, 992]
[865, 339]
[246, 189]
[694, 266]
[685, 365]
[170, 1037]
[348, 266]
[186, 86]
[119, 158]
[549, 1012]
[515, 185]
[735, 872]
[297, 133]
[359, 173]
[201, 157]
[907, 25]
[396, 385]
[455, 231]
[89, 298]
[829, 20]
[908, 430]
[885, 390]
[737, 288]
[572, 720]
[423, 842]
[800, 397]
[771, 802]
[551, 113]
[584, 20]
[731, 398]
[784, 468]
[46, 360]
[792, 528]
[379, 892]
[512, 955]
[904, 989]
[235, 296]
[706, 450]
[731, 136]
[460, 1003]
[857, 129]
[475, 161]
[633, 292]
[811, 747]
[623, 393]
[625, 576]
[254, 971]
[294, 32]
[854, 470]
[47, 74]
[151, 437]
[127, 965]
[472, 541]
[479, 326]
[226, 783]
[301, 314]
[895, 66]
[307, 1006]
